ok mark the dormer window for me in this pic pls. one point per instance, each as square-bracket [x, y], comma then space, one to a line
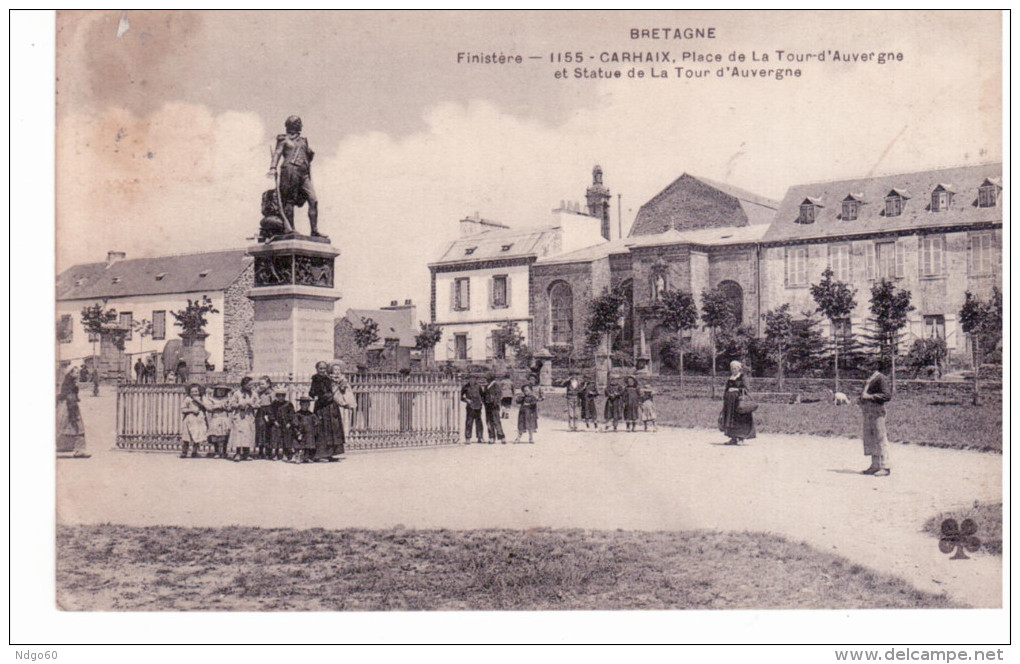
[895, 201]
[988, 194]
[116, 280]
[203, 273]
[941, 197]
[852, 207]
[809, 210]
[159, 277]
[469, 251]
[506, 247]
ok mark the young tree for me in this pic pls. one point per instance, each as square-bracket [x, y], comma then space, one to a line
[835, 300]
[679, 314]
[779, 336]
[143, 328]
[927, 353]
[509, 334]
[980, 320]
[191, 319]
[367, 334]
[807, 345]
[889, 308]
[605, 319]
[93, 319]
[426, 341]
[717, 315]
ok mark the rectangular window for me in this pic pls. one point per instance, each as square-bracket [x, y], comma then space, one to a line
[839, 261]
[935, 327]
[462, 294]
[888, 260]
[460, 346]
[807, 214]
[796, 266]
[893, 206]
[126, 319]
[933, 256]
[65, 329]
[981, 253]
[499, 298]
[986, 196]
[939, 201]
[158, 325]
[850, 210]
[498, 346]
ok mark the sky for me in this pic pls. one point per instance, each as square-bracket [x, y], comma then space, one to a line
[165, 120]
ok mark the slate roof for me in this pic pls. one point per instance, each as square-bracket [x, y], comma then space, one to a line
[142, 276]
[693, 202]
[706, 237]
[392, 325]
[489, 245]
[871, 218]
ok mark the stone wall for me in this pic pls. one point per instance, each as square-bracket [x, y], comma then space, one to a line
[575, 275]
[344, 348]
[238, 326]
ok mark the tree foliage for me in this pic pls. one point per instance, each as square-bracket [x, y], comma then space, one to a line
[367, 334]
[926, 353]
[778, 336]
[889, 309]
[509, 334]
[604, 316]
[718, 317]
[807, 346]
[983, 322]
[95, 317]
[835, 300]
[429, 335]
[192, 318]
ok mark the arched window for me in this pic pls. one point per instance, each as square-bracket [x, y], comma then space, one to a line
[735, 295]
[561, 313]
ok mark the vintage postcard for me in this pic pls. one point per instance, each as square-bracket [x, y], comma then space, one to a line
[532, 311]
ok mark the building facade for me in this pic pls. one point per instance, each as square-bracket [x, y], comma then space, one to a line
[151, 289]
[936, 234]
[482, 281]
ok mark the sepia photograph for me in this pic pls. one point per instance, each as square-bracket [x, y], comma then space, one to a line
[687, 314]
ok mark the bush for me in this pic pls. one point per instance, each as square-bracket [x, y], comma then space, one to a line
[622, 359]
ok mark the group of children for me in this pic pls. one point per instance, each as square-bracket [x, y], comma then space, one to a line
[252, 422]
[630, 403]
[494, 396]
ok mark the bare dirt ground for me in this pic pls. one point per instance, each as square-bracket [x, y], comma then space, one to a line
[803, 487]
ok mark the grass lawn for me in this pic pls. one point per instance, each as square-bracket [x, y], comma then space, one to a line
[236, 569]
[914, 418]
[987, 517]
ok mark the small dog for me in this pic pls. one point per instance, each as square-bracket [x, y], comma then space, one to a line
[839, 399]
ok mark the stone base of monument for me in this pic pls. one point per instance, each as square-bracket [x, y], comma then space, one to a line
[294, 296]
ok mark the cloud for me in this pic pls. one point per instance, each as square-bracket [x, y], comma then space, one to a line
[185, 179]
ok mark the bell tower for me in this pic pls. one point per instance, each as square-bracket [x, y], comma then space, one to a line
[598, 200]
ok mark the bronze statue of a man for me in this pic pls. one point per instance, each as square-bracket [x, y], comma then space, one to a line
[295, 177]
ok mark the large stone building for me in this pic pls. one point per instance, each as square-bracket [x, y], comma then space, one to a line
[693, 235]
[935, 233]
[150, 289]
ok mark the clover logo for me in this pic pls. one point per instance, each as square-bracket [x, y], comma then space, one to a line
[959, 537]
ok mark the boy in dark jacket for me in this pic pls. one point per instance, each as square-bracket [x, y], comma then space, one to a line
[471, 396]
[304, 426]
[281, 433]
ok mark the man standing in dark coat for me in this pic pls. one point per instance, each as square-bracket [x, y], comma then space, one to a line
[471, 396]
[493, 397]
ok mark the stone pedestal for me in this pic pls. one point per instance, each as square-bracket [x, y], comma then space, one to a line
[545, 373]
[294, 296]
[194, 354]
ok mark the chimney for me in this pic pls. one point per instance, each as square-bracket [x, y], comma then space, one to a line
[475, 224]
[393, 303]
[407, 303]
[114, 256]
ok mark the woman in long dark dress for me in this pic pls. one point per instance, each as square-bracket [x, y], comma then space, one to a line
[70, 428]
[612, 413]
[330, 406]
[737, 426]
[631, 403]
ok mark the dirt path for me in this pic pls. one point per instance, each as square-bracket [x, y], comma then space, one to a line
[804, 487]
